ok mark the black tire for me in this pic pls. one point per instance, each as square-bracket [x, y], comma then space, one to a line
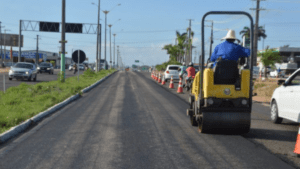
[34, 79]
[166, 80]
[274, 113]
[29, 79]
[9, 78]
[49, 72]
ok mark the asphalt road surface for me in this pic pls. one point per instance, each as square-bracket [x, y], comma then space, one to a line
[129, 122]
[41, 77]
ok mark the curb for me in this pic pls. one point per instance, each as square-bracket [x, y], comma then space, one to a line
[14, 131]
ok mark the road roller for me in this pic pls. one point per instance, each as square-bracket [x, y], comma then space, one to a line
[221, 97]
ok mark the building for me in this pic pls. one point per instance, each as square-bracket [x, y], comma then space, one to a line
[30, 56]
[290, 58]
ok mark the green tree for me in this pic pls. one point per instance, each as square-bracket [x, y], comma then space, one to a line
[182, 40]
[172, 50]
[269, 58]
[261, 32]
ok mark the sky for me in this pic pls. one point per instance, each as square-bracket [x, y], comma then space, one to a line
[143, 27]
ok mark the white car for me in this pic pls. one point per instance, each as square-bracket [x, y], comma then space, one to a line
[285, 102]
[71, 67]
[172, 70]
[275, 73]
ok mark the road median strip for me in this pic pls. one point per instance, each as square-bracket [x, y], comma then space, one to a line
[36, 117]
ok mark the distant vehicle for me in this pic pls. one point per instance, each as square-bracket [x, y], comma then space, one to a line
[81, 67]
[23, 70]
[171, 70]
[45, 67]
[285, 100]
[275, 74]
[9, 64]
[71, 67]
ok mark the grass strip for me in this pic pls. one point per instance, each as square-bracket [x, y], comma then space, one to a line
[22, 102]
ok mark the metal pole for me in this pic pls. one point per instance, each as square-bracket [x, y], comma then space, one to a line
[105, 12]
[78, 67]
[4, 83]
[100, 45]
[1, 42]
[63, 33]
[110, 46]
[20, 36]
[256, 32]
[189, 58]
[114, 49]
[118, 56]
[37, 51]
[98, 32]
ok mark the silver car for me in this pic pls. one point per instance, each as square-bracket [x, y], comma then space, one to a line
[23, 70]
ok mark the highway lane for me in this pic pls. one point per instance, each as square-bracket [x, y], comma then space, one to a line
[41, 77]
[278, 139]
[129, 122]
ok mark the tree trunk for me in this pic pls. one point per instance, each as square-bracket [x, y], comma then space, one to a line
[265, 72]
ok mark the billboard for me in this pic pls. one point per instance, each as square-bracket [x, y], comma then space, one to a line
[27, 55]
[10, 40]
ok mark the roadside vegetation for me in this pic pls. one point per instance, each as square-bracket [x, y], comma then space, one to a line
[22, 102]
[265, 88]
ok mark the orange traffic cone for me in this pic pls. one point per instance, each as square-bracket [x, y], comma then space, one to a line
[297, 146]
[171, 86]
[163, 81]
[180, 89]
[159, 78]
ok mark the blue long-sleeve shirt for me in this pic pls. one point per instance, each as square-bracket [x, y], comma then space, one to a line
[229, 51]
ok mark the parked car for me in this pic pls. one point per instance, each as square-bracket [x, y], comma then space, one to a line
[23, 70]
[285, 102]
[45, 67]
[275, 74]
[171, 70]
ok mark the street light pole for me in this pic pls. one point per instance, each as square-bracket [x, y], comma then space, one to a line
[118, 57]
[63, 45]
[110, 45]
[105, 12]
[98, 32]
[114, 49]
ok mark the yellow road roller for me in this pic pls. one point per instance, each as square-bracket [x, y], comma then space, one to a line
[221, 97]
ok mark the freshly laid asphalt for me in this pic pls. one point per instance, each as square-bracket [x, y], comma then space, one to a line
[41, 77]
[130, 122]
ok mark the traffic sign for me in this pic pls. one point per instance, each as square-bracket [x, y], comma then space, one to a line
[63, 41]
[137, 61]
[82, 56]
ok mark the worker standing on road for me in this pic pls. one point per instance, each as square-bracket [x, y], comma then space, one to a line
[229, 50]
[75, 68]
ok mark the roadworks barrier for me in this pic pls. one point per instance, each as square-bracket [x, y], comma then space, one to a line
[171, 86]
[15, 131]
[297, 146]
[163, 81]
[180, 89]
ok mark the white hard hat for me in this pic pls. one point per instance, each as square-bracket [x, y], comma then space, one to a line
[183, 63]
[230, 35]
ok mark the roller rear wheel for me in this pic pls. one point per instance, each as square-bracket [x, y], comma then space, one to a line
[224, 122]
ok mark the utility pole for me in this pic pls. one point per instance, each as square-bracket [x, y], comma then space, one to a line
[114, 49]
[105, 12]
[118, 56]
[256, 31]
[20, 36]
[190, 42]
[98, 32]
[63, 33]
[1, 43]
[37, 51]
[211, 36]
[110, 45]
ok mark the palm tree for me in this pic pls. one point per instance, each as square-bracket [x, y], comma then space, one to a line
[261, 32]
[172, 50]
[181, 39]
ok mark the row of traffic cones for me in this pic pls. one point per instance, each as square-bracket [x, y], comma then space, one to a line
[157, 77]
